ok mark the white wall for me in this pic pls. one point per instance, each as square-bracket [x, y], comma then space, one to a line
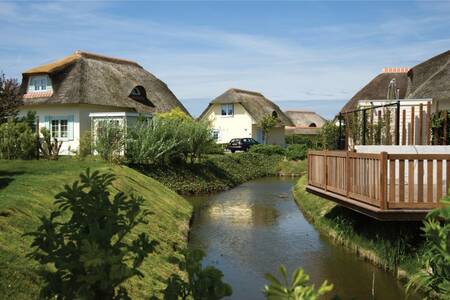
[81, 119]
[237, 126]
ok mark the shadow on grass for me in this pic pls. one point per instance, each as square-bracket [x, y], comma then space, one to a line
[6, 177]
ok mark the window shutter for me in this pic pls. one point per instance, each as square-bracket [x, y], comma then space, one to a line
[70, 127]
[47, 121]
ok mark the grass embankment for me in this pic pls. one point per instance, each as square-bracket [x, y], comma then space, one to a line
[27, 189]
[215, 173]
[394, 246]
[292, 167]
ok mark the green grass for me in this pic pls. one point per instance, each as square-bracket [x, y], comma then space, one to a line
[215, 173]
[292, 167]
[27, 189]
[392, 245]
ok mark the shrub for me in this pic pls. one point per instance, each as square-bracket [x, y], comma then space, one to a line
[109, 141]
[86, 240]
[85, 147]
[296, 152]
[298, 288]
[202, 283]
[311, 141]
[49, 148]
[199, 139]
[17, 141]
[434, 276]
[329, 135]
[268, 149]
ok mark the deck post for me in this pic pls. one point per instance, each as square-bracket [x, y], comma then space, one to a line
[347, 173]
[325, 169]
[383, 180]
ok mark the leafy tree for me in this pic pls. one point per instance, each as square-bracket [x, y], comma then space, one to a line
[202, 284]
[175, 114]
[298, 288]
[86, 241]
[267, 123]
[434, 277]
[9, 98]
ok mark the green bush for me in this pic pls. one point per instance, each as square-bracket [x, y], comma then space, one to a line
[17, 141]
[109, 141]
[49, 147]
[296, 152]
[268, 149]
[311, 141]
[329, 136]
[88, 242]
[85, 148]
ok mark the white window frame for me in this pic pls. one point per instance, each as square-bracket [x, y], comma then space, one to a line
[227, 107]
[59, 128]
[39, 83]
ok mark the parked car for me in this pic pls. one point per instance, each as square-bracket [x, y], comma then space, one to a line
[241, 144]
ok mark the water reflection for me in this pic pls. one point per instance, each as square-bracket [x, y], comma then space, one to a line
[250, 230]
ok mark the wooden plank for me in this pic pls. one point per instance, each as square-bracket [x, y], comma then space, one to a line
[430, 180]
[401, 181]
[421, 205]
[444, 138]
[382, 180]
[411, 129]
[364, 155]
[428, 124]
[410, 180]
[325, 169]
[447, 178]
[419, 156]
[420, 180]
[420, 133]
[439, 181]
[391, 180]
[404, 127]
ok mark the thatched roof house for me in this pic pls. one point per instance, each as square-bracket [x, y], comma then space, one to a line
[238, 114]
[377, 88]
[80, 92]
[87, 78]
[255, 103]
[306, 122]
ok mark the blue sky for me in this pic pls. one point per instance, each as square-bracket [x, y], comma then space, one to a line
[304, 55]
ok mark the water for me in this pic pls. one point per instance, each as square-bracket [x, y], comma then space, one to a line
[249, 230]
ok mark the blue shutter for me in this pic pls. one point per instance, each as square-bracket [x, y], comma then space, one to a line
[70, 127]
[47, 121]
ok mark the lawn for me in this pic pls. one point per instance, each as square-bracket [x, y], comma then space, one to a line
[27, 189]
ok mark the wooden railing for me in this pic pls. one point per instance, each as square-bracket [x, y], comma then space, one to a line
[384, 181]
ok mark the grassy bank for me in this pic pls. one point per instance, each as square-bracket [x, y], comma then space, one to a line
[215, 173]
[391, 245]
[27, 189]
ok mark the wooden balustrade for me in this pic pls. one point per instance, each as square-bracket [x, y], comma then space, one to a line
[383, 181]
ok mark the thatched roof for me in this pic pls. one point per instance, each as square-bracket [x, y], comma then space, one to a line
[254, 103]
[87, 78]
[430, 79]
[377, 89]
[305, 118]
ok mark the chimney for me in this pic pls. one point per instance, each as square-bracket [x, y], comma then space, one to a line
[396, 70]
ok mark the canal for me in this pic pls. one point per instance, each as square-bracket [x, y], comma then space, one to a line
[251, 229]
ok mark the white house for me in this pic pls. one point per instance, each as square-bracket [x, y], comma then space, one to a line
[238, 114]
[70, 94]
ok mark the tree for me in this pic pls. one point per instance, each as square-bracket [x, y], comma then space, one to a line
[267, 123]
[434, 277]
[202, 284]
[9, 98]
[298, 288]
[86, 240]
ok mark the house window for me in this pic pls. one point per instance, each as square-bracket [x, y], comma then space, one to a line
[227, 109]
[135, 92]
[39, 83]
[215, 134]
[59, 128]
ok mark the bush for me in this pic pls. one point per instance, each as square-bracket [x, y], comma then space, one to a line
[268, 149]
[296, 152]
[87, 241]
[329, 136]
[434, 276]
[49, 148]
[85, 148]
[298, 288]
[17, 141]
[202, 283]
[311, 141]
[109, 141]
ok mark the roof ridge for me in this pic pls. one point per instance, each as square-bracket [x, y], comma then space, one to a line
[96, 56]
[236, 90]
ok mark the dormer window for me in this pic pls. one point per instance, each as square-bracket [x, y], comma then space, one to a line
[138, 94]
[39, 83]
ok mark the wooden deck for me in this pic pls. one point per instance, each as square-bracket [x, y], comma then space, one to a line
[383, 186]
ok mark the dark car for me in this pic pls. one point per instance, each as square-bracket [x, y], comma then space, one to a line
[241, 144]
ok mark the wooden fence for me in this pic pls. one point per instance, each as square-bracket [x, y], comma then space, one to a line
[385, 181]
